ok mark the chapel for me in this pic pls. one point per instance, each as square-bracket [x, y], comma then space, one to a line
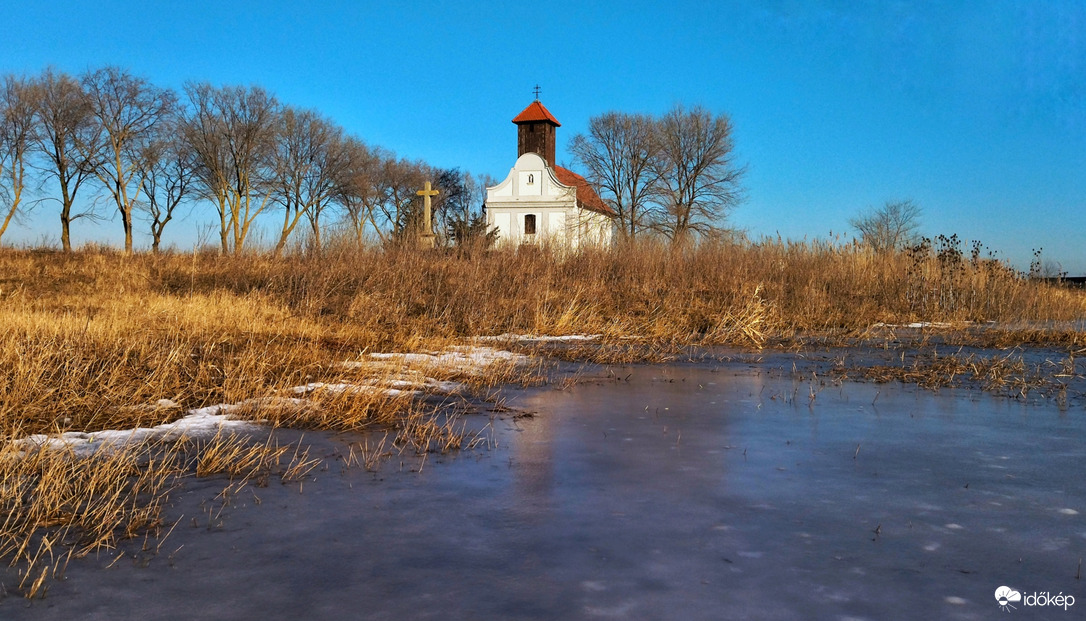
[541, 203]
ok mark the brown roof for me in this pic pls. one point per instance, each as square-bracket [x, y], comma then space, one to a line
[586, 196]
[536, 112]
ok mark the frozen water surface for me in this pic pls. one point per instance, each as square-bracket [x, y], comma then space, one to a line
[685, 492]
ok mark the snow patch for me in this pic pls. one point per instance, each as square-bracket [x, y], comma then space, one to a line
[532, 338]
[464, 360]
[390, 388]
[197, 423]
[345, 388]
[916, 324]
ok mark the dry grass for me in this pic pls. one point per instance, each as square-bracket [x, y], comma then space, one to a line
[92, 340]
[1008, 373]
[95, 339]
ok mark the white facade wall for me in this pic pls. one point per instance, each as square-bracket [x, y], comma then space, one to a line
[531, 189]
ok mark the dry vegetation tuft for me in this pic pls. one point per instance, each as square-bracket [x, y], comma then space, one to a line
[1007, 373]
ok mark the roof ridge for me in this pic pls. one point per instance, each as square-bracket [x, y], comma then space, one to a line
[535, 112]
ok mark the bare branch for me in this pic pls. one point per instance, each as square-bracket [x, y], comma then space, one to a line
[17, 130]
[127, 108]
[890, 227]
[617, 154]
[698, 181]
[167, 166]
[232, 131]
[308, 158]
[70, 141]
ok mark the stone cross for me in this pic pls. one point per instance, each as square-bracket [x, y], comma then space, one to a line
[426, 237]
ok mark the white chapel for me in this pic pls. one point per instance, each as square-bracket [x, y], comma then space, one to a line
[541, 203]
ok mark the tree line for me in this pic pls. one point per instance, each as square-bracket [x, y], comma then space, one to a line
[673, 175]
[124, 146]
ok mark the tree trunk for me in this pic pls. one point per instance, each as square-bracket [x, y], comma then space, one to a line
[17, 192]
[7, 219]
[126, 221]
[224, 234]
[156, 235]
[65, 213]
[279, 245]
[65, 225]
[316, 234]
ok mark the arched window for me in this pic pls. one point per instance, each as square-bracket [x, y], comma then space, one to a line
[531, 179]
[529, 224]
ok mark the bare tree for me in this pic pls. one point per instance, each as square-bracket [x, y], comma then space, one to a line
[464, 213]
[698, 180]
[69, 140]
[617, 155]
[167, 166]
[17, 129]
[378, 191]
[232, 132]
[890, 227]
[204, 130]
[461, 195]
[399, 180]
[453, 193]
[127, 108]
[356, 187]
[308, 159]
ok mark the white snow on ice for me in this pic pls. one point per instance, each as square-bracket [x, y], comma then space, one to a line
[197, 423]
[510, 337]
[466, 360]
[915, 324]
[392, 388]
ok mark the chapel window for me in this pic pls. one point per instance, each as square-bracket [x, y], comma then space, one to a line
[529, 224]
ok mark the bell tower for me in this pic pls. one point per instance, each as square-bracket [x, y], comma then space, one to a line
[536, 131]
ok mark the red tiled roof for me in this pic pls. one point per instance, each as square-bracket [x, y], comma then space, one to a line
[536, 112]
[586, 196]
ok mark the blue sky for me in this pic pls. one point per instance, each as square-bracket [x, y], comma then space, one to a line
[975, 110]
